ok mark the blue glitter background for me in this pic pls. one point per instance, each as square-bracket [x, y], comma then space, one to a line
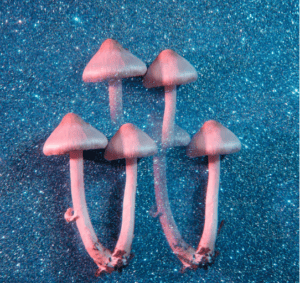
[246, 56]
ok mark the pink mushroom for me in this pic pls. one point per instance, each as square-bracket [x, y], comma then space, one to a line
[180, 248]
[213, 140]
[113, 63]
[169, 70]
[129, 142]
[72, 136]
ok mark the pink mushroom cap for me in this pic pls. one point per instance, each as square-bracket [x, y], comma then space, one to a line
[130, 142]
[181, 137]
[169, 69]
[112, 61]
[73, 134]
[213, 139]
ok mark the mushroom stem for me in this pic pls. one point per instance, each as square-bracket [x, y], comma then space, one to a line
[98, 253]
[169, 116]
[115, 100]
[121, 253]
[206, 247]
[180, 248]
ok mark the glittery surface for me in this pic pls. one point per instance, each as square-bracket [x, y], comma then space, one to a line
[246, 56]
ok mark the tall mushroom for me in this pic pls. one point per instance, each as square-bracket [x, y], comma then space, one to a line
[72, 136]
[213, 139]
[112, 63]
[180, 248]
[169, 70]
[129, 142]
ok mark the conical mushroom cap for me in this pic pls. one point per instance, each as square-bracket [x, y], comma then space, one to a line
[112, 61]
[181, 137]
[129, 142]
[213, 139]
[168, 69]
[73, 134]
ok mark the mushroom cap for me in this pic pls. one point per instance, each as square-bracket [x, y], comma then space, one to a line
[169, 69]
[130, 142]
[112, 61]
[73, 134]
[181, 137]
[213, 139]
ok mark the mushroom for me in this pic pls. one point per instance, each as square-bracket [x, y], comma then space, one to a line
[168, 70]
[213, 139]
[180, 248]
[72, 136]
[129, 142]
[113, 63]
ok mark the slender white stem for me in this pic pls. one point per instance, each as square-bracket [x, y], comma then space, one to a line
[207, 243]
[180, 248]
[98, 253]
[115, 101]
[169, 116]
[122, 250]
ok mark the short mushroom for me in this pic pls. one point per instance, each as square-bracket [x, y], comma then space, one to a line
[169, 70]
[213, 139]
[113, 63]
[129, 142]
[72, 136]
